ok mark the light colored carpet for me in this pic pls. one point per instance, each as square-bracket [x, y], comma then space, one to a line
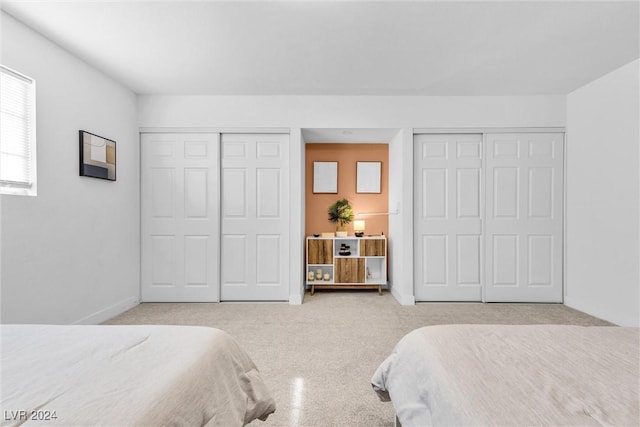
[318, 357]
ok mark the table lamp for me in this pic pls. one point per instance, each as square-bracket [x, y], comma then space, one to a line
[358, 227]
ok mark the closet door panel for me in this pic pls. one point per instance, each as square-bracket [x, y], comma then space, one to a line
[162, 253]
[540, 263]
[505, 260]
[435, 261]
[179, 217]
[235, 248]
[255, 211]
[524, 219]
[506, 192]
[196, 259]
[448, 217]
[234, 193]
[268, 250]
[468, 259]
[196, 182]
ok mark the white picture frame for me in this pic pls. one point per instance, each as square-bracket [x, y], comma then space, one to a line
[368, 177]
[325, 177]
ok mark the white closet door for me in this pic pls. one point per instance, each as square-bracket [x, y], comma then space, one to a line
[524, 176]
[179, 217]
[448, 217]
[255, 217]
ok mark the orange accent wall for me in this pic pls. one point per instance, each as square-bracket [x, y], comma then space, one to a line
[316, 205]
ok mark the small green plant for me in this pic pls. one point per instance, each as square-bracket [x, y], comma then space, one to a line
[341, 212]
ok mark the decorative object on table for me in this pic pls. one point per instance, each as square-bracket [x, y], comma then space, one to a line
[319, 274]
[97, 156]
[311, 276]
[345, 250]
[341, 213]
[316, 235]
[327, 277]
[325, 177]
[358, 227]
[368, 177]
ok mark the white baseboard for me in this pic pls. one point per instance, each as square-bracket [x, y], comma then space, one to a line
[109, 312]
[401, 298]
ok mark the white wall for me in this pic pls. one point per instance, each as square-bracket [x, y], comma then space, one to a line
[400, 251]
[71, 254]
[603, 197]
[402, 113]
[350, 111]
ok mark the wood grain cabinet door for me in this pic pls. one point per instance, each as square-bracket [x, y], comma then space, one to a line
[349, 270]
[372, 247]
[320, 251]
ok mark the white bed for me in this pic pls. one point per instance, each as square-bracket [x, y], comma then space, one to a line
[513, 375]
[126, 376]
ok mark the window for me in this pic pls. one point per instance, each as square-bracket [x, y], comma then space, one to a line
[17, 133]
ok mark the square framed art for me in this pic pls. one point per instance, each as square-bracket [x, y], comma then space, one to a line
[97, 156]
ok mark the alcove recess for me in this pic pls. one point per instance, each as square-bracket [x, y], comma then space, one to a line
[335, 146]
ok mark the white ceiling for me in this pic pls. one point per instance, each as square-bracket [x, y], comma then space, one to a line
[342, 48]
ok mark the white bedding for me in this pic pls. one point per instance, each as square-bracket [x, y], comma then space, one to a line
[514, 375]
[127, 375]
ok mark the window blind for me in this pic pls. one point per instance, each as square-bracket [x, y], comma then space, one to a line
[17, 133]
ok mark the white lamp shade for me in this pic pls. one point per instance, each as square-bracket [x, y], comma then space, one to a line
[358, 225]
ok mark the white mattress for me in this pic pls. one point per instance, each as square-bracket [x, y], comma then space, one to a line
[514, 375]
[127, 375]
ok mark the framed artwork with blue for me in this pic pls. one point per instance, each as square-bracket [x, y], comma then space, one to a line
[97, 156]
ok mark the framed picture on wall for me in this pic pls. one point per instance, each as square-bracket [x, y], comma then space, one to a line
[325, 177]
[368, 177]
[97, 156]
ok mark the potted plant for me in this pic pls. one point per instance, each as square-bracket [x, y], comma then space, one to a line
[341, 213]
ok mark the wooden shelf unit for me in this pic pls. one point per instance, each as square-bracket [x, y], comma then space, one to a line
[364, 268]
